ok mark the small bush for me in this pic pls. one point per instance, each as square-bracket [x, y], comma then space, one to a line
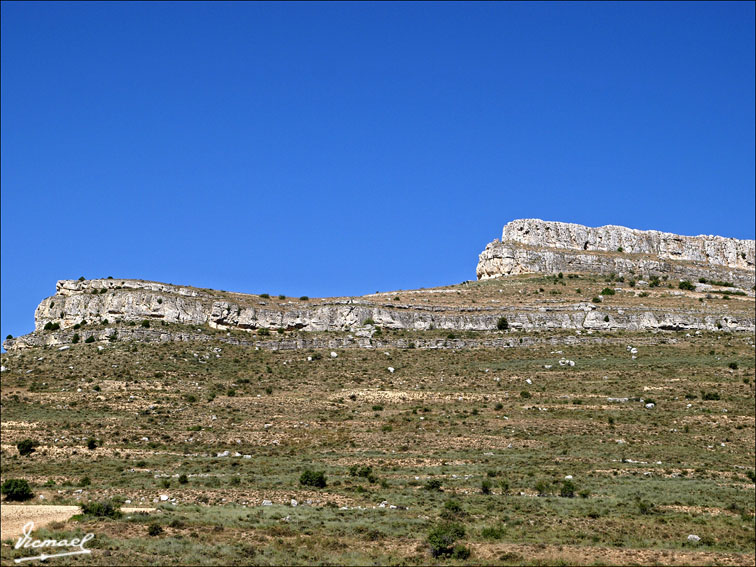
[433, 484]
[685, 284]
[644, 506]
[568, 489]
[75, 339]
[281, 297]
[525, 394]
[183, 479]
[452, 508]
[368, 321]
[502, 324]
[9, 337]
[263, 332]
[85, 481]
[596, 300]
[265, 296]
[485, 486]
[460, 552]
[542, 487]
[146, 324]
[91, 444]
[442, 538]
[304, 298]
[81, 279]
[50, 326]
[16, 490]
[104, 509]
[26, 447]
[90, 339]
[710, 396]
[154, 530]
[607, 291]
[733, 365]
[313, 478]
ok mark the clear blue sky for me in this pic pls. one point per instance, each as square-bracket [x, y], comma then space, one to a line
[328, 149]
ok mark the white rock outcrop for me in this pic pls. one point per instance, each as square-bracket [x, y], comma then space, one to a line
[536, 246]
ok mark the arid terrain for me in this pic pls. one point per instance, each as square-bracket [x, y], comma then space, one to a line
[546, 447]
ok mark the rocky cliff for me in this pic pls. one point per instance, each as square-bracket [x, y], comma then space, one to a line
[536, 246]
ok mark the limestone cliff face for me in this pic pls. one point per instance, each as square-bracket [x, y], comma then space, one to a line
[114, 309]
[536, 246]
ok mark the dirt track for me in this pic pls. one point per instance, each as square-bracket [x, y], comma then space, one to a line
[13, 517]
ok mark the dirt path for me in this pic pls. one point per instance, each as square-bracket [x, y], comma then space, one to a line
[13, 517]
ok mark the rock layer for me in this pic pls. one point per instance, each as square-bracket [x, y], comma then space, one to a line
[111, 308]
[536, 246]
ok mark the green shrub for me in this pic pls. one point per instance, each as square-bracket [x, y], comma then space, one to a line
[502, 324]
[146, 324]
[525, 394]
[91, 444]
[154, 530]
[644, 506]
[607, 291]
[265, 296]
[377, 407]
[460, 552]
[81, 279]
[304, 298]
[492, 532]
[90, 339]
[596, 300]
[263, 332]
[685, 284]
[733, 365]
[313, 478]
[75, 339]
[433, 484]
[485, 486]
[50, 326]
[452, 508]
[103, 509]
[368, 321]
[85, 481]
[16, 490]
[281, 296]
[183, 479]
[568, 489]
[443, 537]
[26, 447]
[9, 337]
[710, 396]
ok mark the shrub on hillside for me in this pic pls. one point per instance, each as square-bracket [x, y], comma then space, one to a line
[16, 490]
[313, 478]
[443, 537]
[502, 324]
[26, 447]
[103, 509]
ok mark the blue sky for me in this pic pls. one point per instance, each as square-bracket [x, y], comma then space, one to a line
[328, 149]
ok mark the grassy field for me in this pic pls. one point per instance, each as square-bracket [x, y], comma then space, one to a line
[475, 443]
